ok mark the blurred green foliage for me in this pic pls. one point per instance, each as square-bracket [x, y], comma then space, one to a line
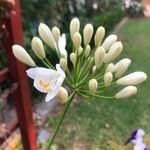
[60, 12]
[135, 8]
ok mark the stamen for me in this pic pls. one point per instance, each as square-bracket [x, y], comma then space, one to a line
[45, 85]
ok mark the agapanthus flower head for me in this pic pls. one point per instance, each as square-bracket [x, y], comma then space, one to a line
[92, 70]
[91, 73]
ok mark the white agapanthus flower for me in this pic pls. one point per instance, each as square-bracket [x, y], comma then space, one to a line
[47, 80]
[62, 46]
[89, 62]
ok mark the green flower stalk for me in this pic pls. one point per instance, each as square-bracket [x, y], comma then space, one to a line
[93, 70]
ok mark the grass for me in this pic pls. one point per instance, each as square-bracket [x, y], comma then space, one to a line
[105, 125]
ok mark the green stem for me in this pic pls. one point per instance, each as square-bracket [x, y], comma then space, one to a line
[50, 141]
[86, 69]
[104, 97]
[45, 63]
[69, 74]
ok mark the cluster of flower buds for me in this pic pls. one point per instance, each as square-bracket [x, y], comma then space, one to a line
[92, 58]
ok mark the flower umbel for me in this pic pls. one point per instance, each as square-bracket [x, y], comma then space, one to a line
[91, 73]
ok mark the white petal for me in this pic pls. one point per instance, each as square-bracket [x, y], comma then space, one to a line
[50, 95]
[63, 36]
[38, 86]
[50, 79]
[62, 46]
[34, 72]
[64, 54]
[62, 42]
[55, 89]
[61, 72]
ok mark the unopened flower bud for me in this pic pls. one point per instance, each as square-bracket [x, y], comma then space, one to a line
[87, 50]
[80, 50]
[93, 84]
[133, 78]
[38, 47]
[110, 68]
[93, 69]
[62, 95]
[87, 33]
[108, 77]
[109, 41]
[99, 56]
[99, 35]
[126, 92]
[73, 58]
[77, 40]
[21, 54]
[56, 33]
[114, 52]
[74, 26]
[46, 35]
[121, 67]
[63, 63]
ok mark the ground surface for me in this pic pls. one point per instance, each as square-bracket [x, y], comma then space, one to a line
[105, 125]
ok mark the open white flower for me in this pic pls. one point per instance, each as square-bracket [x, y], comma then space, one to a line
[47, 80]
[62, 46]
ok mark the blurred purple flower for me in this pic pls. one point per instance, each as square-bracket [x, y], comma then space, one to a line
[137, 139]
